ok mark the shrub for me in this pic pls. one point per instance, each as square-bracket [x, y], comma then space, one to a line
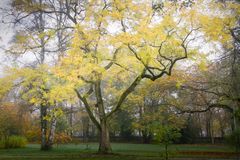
[13, 142]
[62, 138]
[2, 143]
[34, 135]
[234, 139]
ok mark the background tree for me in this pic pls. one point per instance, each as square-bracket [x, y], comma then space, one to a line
[41, 36]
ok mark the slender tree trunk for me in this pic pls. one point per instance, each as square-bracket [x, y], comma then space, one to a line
[232, 122]
[43, 113]
[236, 121]
[50, 141]
[71, 121]
[212, 137]
[199, 121]
[222, 130]
[43, 109]
[146, 136]
[166, 151]
[211, 129]
[208, 126]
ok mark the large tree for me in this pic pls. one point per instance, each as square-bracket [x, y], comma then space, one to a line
[120, 43]
[117, 44]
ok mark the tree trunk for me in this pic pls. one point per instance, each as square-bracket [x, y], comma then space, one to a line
[236, 120]
[232, 122]
[146, 136]
[166, 151]
[43, 113]
[209, 126]
[71, 121]
[104, 144]
[50, 141]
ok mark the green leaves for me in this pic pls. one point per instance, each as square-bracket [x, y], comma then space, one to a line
[166, 134]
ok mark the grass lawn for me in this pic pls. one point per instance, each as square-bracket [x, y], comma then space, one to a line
[122, 151]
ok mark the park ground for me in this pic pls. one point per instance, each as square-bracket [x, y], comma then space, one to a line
[121, 151]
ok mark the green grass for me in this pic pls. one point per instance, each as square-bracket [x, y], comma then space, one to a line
[122, 151]
[13, 142]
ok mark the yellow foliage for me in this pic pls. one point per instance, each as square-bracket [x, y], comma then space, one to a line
[143, 37]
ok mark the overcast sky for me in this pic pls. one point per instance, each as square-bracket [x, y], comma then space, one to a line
[6, 33]
[5, 29]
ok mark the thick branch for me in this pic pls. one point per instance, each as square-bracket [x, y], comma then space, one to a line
[98, 94]
[89, 111]
[129, 90]
[140, 59]
[234, 34]
[223, 106]
[109, 65]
